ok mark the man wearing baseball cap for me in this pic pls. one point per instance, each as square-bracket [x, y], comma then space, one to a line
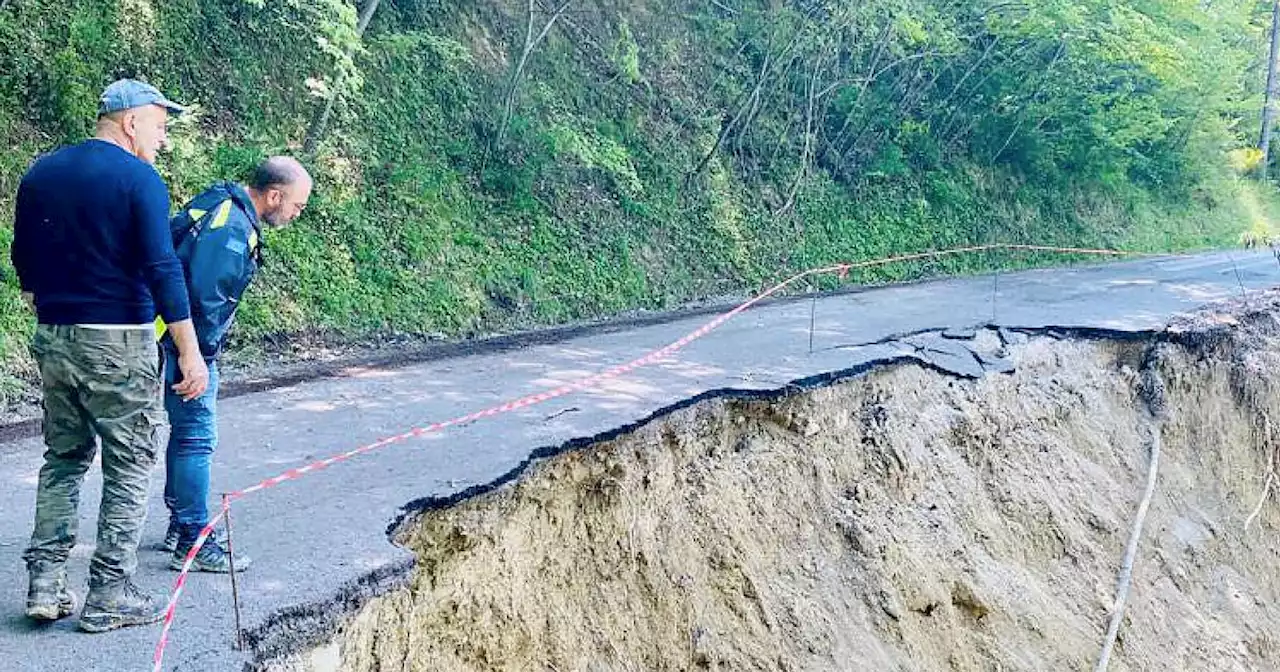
[94, 257]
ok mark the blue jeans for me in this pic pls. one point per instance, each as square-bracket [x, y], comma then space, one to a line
[193, 435]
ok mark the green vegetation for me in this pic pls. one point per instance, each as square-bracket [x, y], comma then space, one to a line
[650, 153]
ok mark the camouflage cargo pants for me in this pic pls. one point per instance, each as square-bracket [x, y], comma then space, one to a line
[98, 383]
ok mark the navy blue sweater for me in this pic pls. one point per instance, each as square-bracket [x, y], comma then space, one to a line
[91, 239]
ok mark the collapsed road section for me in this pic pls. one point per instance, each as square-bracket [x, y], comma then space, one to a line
[909, 515]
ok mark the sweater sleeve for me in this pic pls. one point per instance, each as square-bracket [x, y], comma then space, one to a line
[19, 251]
[159, 266]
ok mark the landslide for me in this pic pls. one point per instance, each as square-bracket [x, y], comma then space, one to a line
[899, 520]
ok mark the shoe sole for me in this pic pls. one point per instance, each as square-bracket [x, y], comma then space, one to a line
[99, 623]
[51, 612]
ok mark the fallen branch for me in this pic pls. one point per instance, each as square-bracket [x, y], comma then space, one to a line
[1271, 478]
[1130, 555]
[1266, 492]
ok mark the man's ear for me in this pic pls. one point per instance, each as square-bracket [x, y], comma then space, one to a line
[129, 124]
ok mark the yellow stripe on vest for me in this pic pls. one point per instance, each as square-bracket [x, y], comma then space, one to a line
[161, 327]
[220, 219]
[253, 240]
[195, 214]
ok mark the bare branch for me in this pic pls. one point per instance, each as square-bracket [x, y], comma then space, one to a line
[530, 43]
[725, 130]
[747, 111]
[550, 22]
[714, 2]
[881, 43]
[1062, 50]
[806, 155]
[904, 59]
[968, 73]
[1021, 54]
[902, 102]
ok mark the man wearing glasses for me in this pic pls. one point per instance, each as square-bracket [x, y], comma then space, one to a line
[218, 238]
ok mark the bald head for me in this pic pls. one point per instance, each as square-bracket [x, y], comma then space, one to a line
[280, 188]
[278, 171]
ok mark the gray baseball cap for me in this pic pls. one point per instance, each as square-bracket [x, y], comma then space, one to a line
[126, 94]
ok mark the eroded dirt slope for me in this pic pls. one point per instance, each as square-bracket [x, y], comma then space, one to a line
[903, 520]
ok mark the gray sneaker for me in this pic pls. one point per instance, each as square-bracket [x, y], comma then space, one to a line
[212, 557]
[170, 543]
[119, 605]
[48, 598]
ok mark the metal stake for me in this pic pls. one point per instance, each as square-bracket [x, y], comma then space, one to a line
[995, 289]
[235, 584]
[813, 320]
[1244, 294]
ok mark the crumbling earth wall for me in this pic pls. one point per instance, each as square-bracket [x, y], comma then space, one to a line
[901, 520]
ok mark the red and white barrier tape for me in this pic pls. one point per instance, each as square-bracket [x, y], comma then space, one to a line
[172, 608]
[583, 383]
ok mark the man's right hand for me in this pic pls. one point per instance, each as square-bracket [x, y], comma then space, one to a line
[195, 376]
[195, 373]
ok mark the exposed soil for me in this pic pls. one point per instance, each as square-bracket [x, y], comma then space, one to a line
[903, 520]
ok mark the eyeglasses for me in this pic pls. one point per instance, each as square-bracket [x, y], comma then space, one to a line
[296, 206]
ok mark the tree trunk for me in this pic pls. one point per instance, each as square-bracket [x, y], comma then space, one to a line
[806, 154]
[321, 121]
[1268, 109]
[530, 43]
[1062, 50]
